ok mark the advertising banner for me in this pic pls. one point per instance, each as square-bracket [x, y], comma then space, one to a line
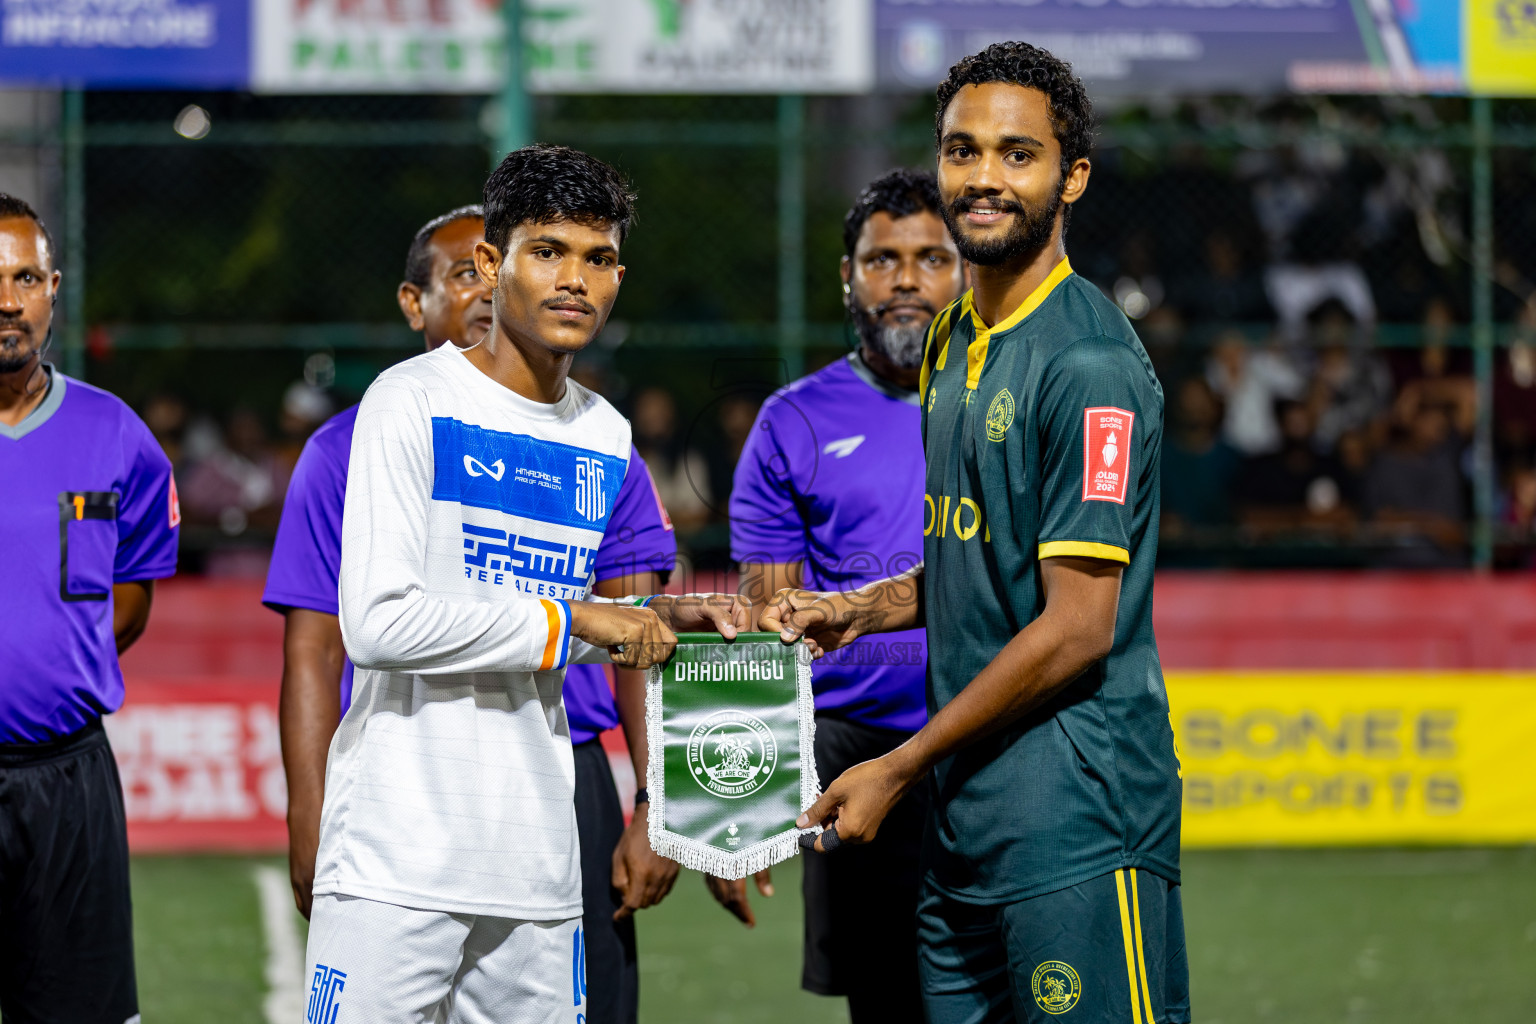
[145, 43]
[1313, 759]
[1189, 46]
[201, 765]
[444, 46]
[683, 46]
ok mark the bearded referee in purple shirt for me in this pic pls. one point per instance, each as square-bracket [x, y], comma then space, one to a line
[829, 495]
[90, 518]
[444, 299]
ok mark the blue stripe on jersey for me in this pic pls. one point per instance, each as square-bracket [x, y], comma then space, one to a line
[523, 476]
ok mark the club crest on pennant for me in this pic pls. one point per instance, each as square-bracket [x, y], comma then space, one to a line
[1106, 453]
[732, 754]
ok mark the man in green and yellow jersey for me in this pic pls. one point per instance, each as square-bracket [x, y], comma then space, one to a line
[1051, 865]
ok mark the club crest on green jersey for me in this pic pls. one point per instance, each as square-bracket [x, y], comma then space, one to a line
[1000, 415]
[1055, 986]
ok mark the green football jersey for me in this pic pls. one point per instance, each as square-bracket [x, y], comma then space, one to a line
[1043, 437]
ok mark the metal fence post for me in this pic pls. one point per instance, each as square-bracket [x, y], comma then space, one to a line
[515, 127]
[72, 341]
[1483, 469]
[792, 234]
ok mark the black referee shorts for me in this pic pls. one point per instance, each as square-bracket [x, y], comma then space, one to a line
[66, 920]
[861, 901]
[613, 976]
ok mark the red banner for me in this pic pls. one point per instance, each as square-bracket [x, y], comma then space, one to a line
[201, 765]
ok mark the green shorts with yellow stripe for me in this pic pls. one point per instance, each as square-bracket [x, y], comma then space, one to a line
[1106, 951]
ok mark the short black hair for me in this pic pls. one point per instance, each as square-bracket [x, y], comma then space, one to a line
[543, 183]
[418, 261]
[11, 206]
[1030, 66]
[898, 192]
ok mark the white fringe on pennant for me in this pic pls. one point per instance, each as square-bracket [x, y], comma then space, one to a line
[691, 853]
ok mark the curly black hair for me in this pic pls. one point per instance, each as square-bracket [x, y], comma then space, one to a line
[543, 183]
[898, 192]
[11, 206]
[1030, 66]
[418, 260]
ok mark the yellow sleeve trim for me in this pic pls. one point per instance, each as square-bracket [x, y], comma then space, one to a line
[1084, 549]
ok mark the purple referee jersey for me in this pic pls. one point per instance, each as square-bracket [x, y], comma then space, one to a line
[832, 477]
[306, 558]
[89, 502]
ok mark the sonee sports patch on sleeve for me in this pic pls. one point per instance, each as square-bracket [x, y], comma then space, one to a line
[1106, 453]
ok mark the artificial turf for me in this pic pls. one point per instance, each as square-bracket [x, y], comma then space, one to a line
[1296, 936]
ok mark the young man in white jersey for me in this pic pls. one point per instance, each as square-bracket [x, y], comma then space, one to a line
[447, 885]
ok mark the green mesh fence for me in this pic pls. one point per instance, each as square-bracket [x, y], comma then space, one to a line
[223, 269]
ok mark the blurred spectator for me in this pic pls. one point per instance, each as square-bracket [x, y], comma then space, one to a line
[166, 417]
[235, 480]
[1414, 492]
[1296, 290]
[1514, 393]
[1296, 487]
[680, 473]
[1224, 290]
[1518, 514]
[305, 407]
[1198, 466]
[1352, 386]
[1250, 381]
[736, 414]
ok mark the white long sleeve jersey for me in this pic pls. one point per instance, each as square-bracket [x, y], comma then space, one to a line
[472, 518]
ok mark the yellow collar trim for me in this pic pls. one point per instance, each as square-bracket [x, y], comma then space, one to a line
[976, 352]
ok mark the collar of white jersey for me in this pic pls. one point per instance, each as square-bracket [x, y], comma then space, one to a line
[454, 357]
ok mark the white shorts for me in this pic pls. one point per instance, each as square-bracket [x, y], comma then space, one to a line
[376, 963]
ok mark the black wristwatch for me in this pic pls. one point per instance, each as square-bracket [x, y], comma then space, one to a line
[642, 796]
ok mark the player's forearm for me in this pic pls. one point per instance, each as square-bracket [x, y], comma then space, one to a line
[629, 684]
[1033, 668]
[402, 629]
[889, 605]
[1076, 629]
[309, 708]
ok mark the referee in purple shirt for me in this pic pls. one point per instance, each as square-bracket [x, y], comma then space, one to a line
[443, 298]
[90, 522]
[829, 495]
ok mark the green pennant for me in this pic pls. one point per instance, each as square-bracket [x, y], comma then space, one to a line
[731, 726]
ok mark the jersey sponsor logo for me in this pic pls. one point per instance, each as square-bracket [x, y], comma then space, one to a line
[533, 566]
[945, 514]
[1056, 987]
[591, 503]
[174, 516]
[474, 467]
[523, 476]
[843, 446]
[325, 995]
[1000, 415]
[933, 396]
[732, 754]
[1106, 453]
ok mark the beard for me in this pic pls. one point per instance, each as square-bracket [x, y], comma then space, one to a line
[1031, 232]
[16, 353]
[902, 344]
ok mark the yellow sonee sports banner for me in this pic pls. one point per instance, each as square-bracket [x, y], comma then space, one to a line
[1318, 758]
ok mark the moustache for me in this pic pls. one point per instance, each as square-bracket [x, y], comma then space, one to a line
[877, 311]
[573, 300]
[964, 204]
[9, 323]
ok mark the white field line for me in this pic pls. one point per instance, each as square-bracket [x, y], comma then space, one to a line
[285, 954]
